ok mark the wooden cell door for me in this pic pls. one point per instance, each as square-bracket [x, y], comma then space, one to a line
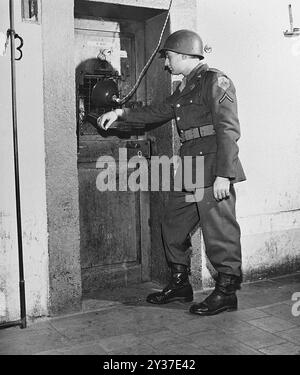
[114, 225]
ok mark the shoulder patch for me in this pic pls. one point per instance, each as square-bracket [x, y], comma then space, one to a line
[224, 83]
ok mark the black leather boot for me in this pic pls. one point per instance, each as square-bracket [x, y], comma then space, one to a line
[178, 289]
[223, 297]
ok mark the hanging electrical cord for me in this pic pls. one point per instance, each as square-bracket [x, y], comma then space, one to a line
[132, 91]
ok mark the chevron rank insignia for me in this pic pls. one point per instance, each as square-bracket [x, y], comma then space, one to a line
[224, 83]
[224, 97]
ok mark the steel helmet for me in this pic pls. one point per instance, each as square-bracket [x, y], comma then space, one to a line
[186, 42]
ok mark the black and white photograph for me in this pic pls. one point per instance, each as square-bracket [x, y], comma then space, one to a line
[150, 181]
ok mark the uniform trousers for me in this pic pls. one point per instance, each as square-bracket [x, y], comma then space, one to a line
[221, 231]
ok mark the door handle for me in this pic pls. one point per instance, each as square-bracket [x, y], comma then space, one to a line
[140, 148]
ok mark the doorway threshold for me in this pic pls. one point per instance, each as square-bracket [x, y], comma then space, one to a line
[133, 295]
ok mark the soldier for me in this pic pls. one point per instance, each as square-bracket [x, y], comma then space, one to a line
[204, 107]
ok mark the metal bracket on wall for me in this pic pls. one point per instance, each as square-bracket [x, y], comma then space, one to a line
[11, 34]
[294, 31]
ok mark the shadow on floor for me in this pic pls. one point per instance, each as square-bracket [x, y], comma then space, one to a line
[252, 294]
[132, 295]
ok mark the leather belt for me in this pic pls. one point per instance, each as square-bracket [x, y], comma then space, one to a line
[193, 133]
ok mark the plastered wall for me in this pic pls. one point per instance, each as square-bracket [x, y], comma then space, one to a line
[248, 44]
[61, 156]
[29, 75]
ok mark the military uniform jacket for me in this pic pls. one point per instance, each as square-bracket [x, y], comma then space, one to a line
[209, 98]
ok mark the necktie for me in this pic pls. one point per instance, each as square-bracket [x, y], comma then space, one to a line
[183, 84]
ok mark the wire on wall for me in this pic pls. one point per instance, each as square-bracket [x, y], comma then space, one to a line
[132, 91]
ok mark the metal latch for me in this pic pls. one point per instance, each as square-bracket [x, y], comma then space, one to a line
[140, 148]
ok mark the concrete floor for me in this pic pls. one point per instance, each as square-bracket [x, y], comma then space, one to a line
[121, 322]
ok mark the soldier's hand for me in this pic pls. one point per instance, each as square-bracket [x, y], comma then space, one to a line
[221, 188]
[105, 121]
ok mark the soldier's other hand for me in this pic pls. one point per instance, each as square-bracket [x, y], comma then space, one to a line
[221, 188]
[107, 119]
